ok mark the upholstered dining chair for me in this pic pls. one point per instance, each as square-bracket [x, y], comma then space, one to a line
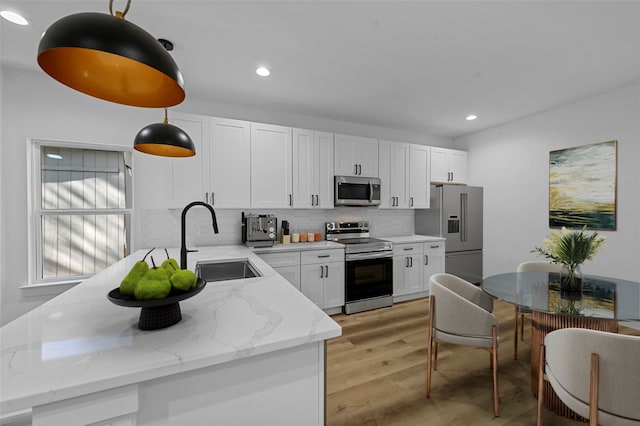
[531, 266]
[460, 314]
[595, 373]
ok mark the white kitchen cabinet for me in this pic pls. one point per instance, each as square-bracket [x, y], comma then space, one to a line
[312, 169]
[433, 261]
[286, 264]
[419, 179]
[407, 269]
[218, 174]
[393, 158]
[322, 277]
[271, 166]
[175, 182]
[448, 165]
[355, 156]
[230, 162]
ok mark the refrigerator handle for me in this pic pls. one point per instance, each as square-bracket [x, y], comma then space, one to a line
[463, 217]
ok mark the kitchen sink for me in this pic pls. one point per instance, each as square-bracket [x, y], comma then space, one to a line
[226, 270]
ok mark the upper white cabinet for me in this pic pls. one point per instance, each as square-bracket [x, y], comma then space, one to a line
[271, 166]
[419, 182]
[230, 160]
[218, 174]
[356, 156]
[394, 174]
[188, 176]
[312, 169]
[448, 165]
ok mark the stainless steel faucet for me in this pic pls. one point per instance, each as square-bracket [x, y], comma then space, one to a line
[183, 246]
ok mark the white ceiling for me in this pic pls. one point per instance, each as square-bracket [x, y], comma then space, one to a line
[418, 66]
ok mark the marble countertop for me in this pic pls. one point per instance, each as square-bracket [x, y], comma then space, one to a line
[80, 342]
[314, 245]
[413, 239]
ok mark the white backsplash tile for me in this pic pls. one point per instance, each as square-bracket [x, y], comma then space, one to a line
[161, 228]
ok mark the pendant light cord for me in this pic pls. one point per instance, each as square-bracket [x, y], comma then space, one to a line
[166, 117]
[118, 13]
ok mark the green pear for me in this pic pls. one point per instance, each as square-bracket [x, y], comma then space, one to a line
[154, 285]
[140, 268]
[170, 265]
[183, 280]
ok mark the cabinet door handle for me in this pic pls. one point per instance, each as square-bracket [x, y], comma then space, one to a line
[396, 201]
[426, 259]
[206, 197]
[323, 255]
[321, 271]
[451, 176]
[290, 200]
[213, 198]
[408, 248]
[317, 200]
[355, 169]
[326, 274]
[410, 201]
[406, 262]
[411, 262]
[360, 169]
[435, 246]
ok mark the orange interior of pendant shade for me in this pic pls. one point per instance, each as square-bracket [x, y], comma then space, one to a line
[111, 77]
[164, 150]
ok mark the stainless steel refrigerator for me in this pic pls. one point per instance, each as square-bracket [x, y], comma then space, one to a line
[456, 214]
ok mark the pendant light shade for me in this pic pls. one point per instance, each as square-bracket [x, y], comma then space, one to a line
[165, 140]
[112, 59]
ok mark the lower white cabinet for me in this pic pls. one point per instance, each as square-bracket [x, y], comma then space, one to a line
[318, 274]
[407, 269]
[433, 260]
[286, 264]
[322, 277]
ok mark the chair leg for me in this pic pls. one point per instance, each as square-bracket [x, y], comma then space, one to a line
[435, 355]
[593, 390]
[522, 327]
[430, 345]
[494, 353]
[515, 334]
[540, 385]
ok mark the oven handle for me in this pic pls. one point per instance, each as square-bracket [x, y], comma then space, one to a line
[365, 256]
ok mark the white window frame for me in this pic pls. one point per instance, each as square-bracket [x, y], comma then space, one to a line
[34, 206]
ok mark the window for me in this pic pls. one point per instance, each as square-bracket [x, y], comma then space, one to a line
[81, 209]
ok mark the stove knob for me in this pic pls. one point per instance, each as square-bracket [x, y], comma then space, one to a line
[271, 229]
[272, 235]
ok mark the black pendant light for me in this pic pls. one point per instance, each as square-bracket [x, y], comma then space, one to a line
[112, 59]
[165, 140]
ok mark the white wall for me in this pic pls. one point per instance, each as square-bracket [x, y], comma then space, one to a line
[34, 105]
[511, 162]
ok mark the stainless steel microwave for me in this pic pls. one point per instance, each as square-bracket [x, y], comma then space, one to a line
[356, 191]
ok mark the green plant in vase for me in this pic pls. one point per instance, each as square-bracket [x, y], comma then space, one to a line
[571, 248]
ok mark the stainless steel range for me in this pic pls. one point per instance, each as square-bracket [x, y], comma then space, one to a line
[368, 266]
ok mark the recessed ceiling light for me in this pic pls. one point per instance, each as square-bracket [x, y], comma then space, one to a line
[263, 71]
[13, 17]
[471, 117]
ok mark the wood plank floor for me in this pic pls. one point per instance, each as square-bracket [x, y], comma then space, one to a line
[376, 374]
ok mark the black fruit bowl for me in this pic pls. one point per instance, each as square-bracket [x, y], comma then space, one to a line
[157, 313]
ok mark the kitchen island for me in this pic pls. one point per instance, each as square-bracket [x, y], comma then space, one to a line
[249, 351]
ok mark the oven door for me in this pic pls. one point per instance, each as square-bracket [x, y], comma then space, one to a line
[368, 275]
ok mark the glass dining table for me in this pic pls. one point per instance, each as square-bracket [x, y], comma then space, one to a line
[599, 305]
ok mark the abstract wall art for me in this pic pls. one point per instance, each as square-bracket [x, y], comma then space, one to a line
[582, 186]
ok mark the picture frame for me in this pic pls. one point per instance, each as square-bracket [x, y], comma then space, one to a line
[583, 186]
